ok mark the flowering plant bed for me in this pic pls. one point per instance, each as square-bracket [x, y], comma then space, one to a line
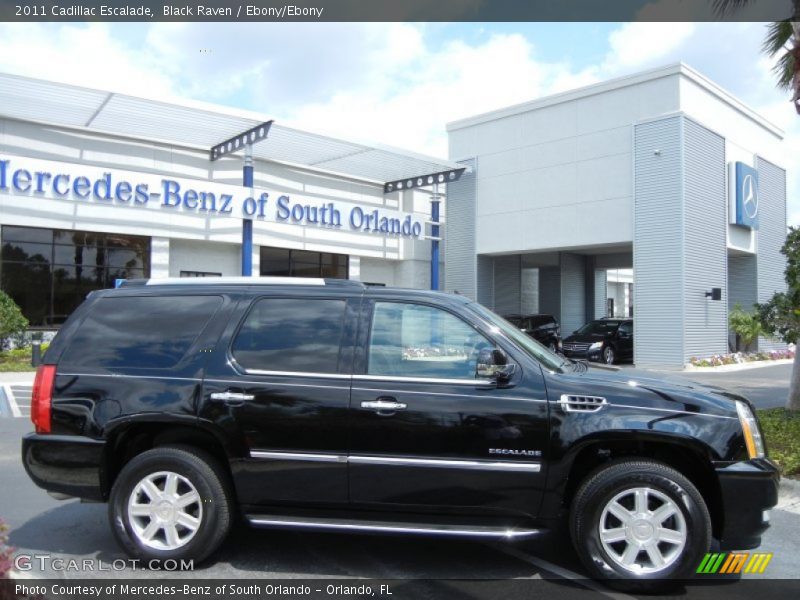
[738, 358]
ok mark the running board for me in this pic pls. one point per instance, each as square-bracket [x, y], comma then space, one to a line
[481, 531]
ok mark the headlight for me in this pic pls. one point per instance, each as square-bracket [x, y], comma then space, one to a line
[596, 346]
[752, 435]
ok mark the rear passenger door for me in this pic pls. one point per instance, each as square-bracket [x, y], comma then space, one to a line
[278, 388]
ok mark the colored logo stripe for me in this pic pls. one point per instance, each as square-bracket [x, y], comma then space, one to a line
[758, 563]
[733, 563]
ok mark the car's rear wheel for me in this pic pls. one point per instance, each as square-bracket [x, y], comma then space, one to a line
[171, 503]
[609, 355]
[638, 523]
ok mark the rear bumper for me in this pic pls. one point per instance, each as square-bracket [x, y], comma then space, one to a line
[748, 489]
[65, 464]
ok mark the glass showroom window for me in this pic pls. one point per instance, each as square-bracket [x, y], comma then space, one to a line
[48, 272]
[282, 262]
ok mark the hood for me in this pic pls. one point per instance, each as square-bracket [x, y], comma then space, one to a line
[648, 388]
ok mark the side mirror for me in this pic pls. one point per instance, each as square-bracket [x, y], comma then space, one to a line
[493, 364]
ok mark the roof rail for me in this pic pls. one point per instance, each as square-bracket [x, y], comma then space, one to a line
[240, 281]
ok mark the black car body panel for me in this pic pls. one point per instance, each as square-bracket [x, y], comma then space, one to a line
[314, 441]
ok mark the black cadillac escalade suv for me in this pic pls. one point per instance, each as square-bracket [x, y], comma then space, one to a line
[324, 404]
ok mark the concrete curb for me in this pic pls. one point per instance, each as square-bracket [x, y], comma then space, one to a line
[756, 364]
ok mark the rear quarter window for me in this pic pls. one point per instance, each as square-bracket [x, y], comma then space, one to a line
[152, 332]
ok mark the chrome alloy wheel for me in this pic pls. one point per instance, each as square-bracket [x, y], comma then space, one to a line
[164, 510]
[642, 530]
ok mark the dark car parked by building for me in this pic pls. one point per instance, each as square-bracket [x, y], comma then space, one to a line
[543, 328]
[330, 405]
[605, 340]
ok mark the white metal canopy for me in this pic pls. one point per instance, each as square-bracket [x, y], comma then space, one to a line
[201, 125]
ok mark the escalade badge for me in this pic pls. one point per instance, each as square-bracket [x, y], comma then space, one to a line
[515, 452]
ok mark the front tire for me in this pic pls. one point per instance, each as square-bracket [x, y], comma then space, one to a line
[636, 523]
[609, 355]
[171, 503]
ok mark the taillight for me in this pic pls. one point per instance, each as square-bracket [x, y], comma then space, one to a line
[42, 397]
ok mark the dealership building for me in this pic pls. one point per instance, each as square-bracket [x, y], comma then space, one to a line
[97, 186]
[658, 196]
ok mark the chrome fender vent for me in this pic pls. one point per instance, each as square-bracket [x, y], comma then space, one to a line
[574, 403]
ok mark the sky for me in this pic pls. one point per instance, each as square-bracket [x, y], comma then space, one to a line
[392, 83]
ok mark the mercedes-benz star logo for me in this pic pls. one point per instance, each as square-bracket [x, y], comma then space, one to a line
[749, 197]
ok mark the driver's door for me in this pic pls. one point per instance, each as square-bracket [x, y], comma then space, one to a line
[425, 432]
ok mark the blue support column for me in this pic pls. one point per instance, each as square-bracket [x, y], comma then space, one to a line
[435, 235]
[247, 224]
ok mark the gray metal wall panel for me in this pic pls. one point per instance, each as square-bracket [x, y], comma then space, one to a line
[573, 291]
[507, 284]
[459, 231]
[705, 242]
[600, 293]
[742, 286]
[485, 281]
[550, 291]
[530, 291]
[658, 243]
[771, 236]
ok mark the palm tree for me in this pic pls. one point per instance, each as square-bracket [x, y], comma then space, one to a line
[782, 42]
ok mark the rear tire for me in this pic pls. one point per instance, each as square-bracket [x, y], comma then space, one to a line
[639, 524]
[171, 502]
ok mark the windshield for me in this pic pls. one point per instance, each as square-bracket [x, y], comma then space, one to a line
[598, 328]
[548, 359]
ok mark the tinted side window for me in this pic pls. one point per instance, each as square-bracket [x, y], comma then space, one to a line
[290, 334]
[626, 328]
[143, 331]
[409, 340]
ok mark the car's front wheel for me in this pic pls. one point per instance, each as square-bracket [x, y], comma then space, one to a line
[635, 522]
[609, 355]
[171, 503]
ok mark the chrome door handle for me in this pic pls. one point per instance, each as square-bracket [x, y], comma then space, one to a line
[384, 405]
[234, 396]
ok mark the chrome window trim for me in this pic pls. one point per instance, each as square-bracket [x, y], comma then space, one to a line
[426, 393]
[533, 467]
[278, 384]
[297, 374]
[474, 382]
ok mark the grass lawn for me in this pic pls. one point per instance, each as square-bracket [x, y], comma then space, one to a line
[782, 432]
[17, 360]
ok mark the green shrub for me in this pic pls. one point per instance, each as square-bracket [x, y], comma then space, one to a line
[12, 322]
[782, 435]
[746, 326]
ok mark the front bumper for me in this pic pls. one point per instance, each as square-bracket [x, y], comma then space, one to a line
[748, 489]
[65, 464]
[592, 355]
